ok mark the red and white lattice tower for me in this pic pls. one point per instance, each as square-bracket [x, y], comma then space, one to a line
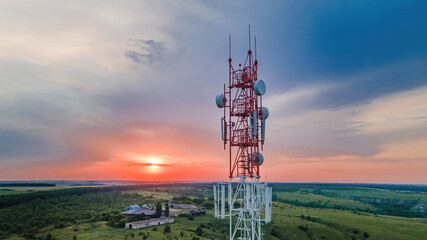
[243, 130]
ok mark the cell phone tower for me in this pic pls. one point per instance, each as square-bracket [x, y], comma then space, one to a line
[243, 130]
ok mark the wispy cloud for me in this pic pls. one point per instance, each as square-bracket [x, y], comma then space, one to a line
[148, 51]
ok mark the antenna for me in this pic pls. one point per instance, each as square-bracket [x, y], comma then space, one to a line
[248, 123]
[229, 46]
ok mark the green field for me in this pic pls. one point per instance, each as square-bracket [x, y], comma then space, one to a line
[300, 212]
[17, 190]
[151, 194]
[378, 193]
[323, 201]
[288, 223]
[100, 230]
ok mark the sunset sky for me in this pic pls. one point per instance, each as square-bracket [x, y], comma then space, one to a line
[125, 90]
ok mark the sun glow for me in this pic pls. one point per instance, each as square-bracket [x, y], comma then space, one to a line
[154, 161]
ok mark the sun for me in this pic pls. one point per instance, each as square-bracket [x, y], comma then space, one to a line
[155, 163]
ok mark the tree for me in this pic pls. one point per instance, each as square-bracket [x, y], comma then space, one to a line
[167, 229]
[138, 217]
[158, 209]
[122, 223]
[167, 210]
[199, 231]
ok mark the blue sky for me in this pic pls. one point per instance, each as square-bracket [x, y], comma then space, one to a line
[86, 85]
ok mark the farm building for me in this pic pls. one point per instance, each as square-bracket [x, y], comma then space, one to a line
[149, 223]
[136, 209]
[133, 207]
[186, 206]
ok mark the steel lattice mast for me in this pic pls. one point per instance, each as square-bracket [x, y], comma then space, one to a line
[243, 129]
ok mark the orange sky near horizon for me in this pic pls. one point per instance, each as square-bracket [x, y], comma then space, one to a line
[137, 167]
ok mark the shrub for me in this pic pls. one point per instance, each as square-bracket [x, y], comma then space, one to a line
[365, 235]
[208, 205]
[273, 232]
[122, 223]
[303, 228]
[138, 217]
[199, 231]
[167, 229]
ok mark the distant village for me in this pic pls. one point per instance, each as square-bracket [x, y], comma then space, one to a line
[146, 216]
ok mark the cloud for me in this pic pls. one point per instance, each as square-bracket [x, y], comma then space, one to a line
[359, 130]
[27, 144]
[148, 51]
[348, 90]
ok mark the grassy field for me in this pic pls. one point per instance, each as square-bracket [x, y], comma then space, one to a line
[378, 193]
[153, 195]
[305, 213]
[211, 228]
[289, 223]
[328, 202]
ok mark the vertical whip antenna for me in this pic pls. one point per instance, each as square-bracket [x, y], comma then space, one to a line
[229, 46]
